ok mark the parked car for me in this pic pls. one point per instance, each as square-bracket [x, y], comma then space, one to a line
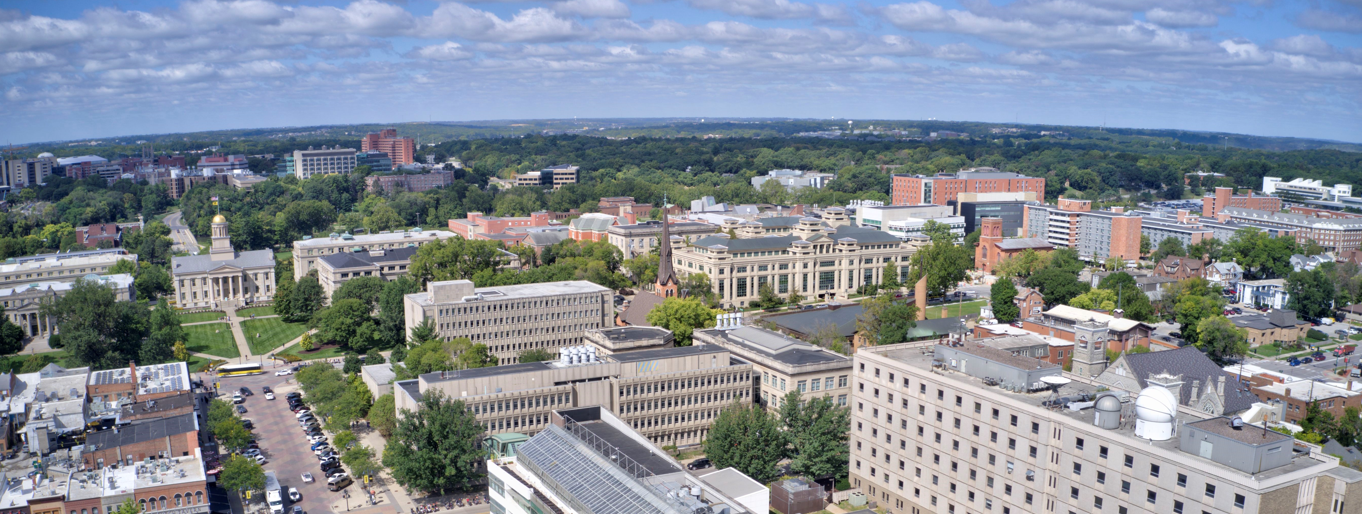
[311, 440]
[1319, 356]
[338, 482]
[283, 372]
[307, 478]
[240, 409]
[266, 389]
[260, 459]
[293, 494]
[248, 424]
[250, 452]
[237, 398]
[269, 396]
[302, 413]
[298, 510]
[700, 463]
[328, 455]
[246, 391]
[1294, 361]
[319, 445]
[335, 472]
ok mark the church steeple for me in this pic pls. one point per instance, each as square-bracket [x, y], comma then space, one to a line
[667, 285]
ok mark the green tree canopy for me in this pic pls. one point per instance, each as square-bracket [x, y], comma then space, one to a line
[537, 355]
[347, 323]
[241, 474]
[681, 316]
[1220, 339]
[364, 289]
[1312, 293]
[885, 319]
[817, 431]
[747, 438]
[96, 329]
[1057, 285]
[436, 448]
[1001, 298]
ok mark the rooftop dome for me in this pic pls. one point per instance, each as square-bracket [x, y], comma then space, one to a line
[219, 219]
[1156, 404]
[45, 155]
[1108, 403]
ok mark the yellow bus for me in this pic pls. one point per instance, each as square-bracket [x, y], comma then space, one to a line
[234, 370]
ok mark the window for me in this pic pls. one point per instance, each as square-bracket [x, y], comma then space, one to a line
[1007, 489]
[1125, 486]
[1102, 451]
[1097, 502]
[1121, 509]
[1130, 461]
[1210, 491]
[978, 407]
[1033, 452]
[1078, 469]
[1151, 497]
[1035, 427]
[995, 413]
[1073, 492]
[1239, 500]
[1078, 443]
[1014, 420]
[1101, 477]
[1028, 498]
[1011, 443]
[1182, 480]
[1154, 470]
[1177, 507]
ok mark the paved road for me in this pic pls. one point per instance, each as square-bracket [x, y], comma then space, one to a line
[180, 234]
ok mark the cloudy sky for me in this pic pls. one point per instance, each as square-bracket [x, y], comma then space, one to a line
[84, 69]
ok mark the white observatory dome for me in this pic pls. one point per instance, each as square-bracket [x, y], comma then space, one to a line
[45, 155]
[1155, 410]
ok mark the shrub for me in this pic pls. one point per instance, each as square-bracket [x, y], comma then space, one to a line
[1315, 334]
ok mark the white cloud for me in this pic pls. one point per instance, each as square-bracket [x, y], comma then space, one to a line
[536, 24]
[1181, 19]
[1330, 21]
[1305, 44]
[776, 9]
[448, 51]
[593, 8]
[14, 62]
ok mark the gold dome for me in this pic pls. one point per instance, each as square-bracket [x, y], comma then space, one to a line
[219, 219]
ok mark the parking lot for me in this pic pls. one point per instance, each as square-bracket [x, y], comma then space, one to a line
[284, 445]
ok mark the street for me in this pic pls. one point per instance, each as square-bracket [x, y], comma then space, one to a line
[180, 234]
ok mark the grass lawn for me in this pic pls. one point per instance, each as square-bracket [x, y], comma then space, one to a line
[1355, 337]
[1268, 350]
[288, 256]
[197, 317]
[258, 311]
[212, 339]
[13, 363]
[324, 353]
[1310, 340]
[273, 333]
[956, 309]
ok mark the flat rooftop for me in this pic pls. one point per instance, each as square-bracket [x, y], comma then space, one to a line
[502, 293]
[777, 346]
[631, 334]
[665, 353]
[646, 456]
[527, 367]
[389, 237]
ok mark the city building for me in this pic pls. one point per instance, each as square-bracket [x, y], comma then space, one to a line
[820, 259]
[309, 249]
[591, 227]
[400, 150]
[21, 173]
[512, 319]
[641, 238]
[556, 176]
[785, 364]
[587, 460]
[1010, 211]
[906, 221]
[1008, 338]
[625, 205]
[336, 269]
[670, 395]
[1074, 324]
[944, 189]
[81, 166]
[54, 266]
[794, 180]
[1334, 234]
[378, 162]
[994, 247]
[1179, 268]
[1224, 274]
[220, 164]
[1097, 235]
[224, 275]
[23, 301]
[1305, 189]
[1224, 198]
[479, 223]
[609, 341]
[307, 163]
[1187, 230]
[1278, 326]
[176, 436]
[1030, 302]
[1029, 456]
[1301, 262]
[108, 235]
[378, 378]
[1296, 397]
[1269, 293]
[409, 183]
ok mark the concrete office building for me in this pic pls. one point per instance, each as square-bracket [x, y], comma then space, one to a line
[794, 180]
[556, 176]
[785, 364]
[929, 433]
[944, 189]
[1096, 235]
[821, 258]
[669, 395]
[1305, 189]
[307, 163]
[1334, 234]
[56, 266]
[336, 269]
[400, 150]
[512, 319]
[589, 461]
[309, 249]
[1187, 233]
[641, 238]
[409, 183]
[22, 302]
[609, 341]
[21, 173]
[906, 221]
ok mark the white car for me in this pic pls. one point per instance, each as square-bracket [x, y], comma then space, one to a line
[307, 478]
[253, 452]
[302, 413]
[260, 459]
[284, 372]
[269, 396]
[315, 439]
[293, 494]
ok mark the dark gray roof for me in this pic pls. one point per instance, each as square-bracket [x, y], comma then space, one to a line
[666, 353]
[142, 431]
[645, 456]
[864, 235]
[547, 238]
[779, 221]
[1193, 366]
[1023, 243]
[637, 312]
[634, 333]
[808, 322]
[204, 263]
[412, 387]
[750, 244]
[364, 259]
[168, 403]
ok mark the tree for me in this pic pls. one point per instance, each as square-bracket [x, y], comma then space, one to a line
[698, 287]
[1145, 245]
[365, 289]
[1210, 249]
[1220, 339]
[885, 319]
[767, 298]
[1191, 309]
[469, 355]
[241, 474]
[1001, 297]
[351, 364]
[307, 298]
[890, 275]
[681, 316]
[817, 430]
[306, 343]
[391, 316]
[429, 356]
[436, 447]
[1169, 246]
[643, 268]
[748, 438]
[972, 240]
[360, 460]
[283, 295]
[96, 329]
[11, 336]
[181, 352]
[347, 323]
[372, 357]
[123, 267]
[1057, 285]
[942, 262]
[344, 439]
[455, 259]
[231, 434]
[1311, 293]
[1022, 265]
[152, 282]
[536, 355]
[383, 415]
[128, 507]
[165, 332]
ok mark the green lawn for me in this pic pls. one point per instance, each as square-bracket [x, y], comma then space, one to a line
[1355, 337]
[1268, 350]
[273, 333]
[258, 311]
[212, 339]
[956, 309]
[197, 317]
[325, 353]
[287, 256]
[14, 363]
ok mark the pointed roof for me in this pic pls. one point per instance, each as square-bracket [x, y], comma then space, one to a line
[665, 274]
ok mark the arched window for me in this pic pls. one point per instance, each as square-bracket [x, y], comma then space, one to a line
[178, 499]
[143, 501]
[198, 498]
[163, 503]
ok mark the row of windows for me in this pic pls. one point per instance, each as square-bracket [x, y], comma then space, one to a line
[57, 273]
[484, 307]
[525, 318]
[682, 384]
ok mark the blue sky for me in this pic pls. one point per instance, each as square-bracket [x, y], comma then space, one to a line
[90, 69]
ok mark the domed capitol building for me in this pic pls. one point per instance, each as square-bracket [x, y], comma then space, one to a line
[224, 276]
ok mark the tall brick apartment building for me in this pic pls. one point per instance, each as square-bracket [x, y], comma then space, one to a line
[1223, 197]
[402, 150]
[1097, 235]
[944, 189]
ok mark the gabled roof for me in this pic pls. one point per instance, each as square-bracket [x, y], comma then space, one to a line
[547, 238]
[1193, 366]
[363, 259]
[637, 312]
[1023, 243]
[594, 222]
[203, 263]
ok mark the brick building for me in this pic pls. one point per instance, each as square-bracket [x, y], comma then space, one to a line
[479, 223]
[175, 436]
[1029, 302]
[1224, 197]
[409, 183]
[993, 248]
[1121, 334]
[165, 407]
[140, 383]
[943, 189]
[1297, 396]
[592, 227]
[402, 150]
[1336, 235]
[1279, 325]
[93, 235]
[1097, 235]
[1180, 268]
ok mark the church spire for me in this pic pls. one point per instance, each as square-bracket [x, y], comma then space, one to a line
[667, 284]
